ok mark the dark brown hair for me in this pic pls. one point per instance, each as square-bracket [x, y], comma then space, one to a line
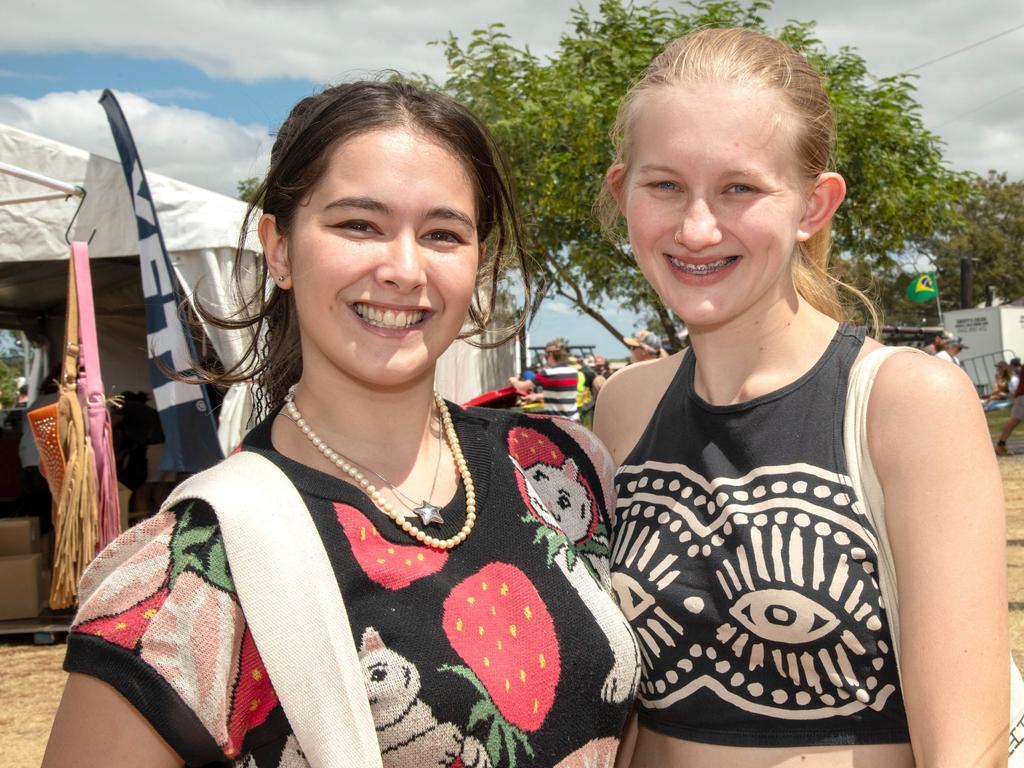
[298, 160]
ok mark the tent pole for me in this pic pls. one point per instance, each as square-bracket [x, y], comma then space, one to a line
[38, 178]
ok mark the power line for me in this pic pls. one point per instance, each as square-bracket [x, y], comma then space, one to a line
[961, 50]
[979, 107]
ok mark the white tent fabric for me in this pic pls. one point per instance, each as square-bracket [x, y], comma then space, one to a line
[192, 219]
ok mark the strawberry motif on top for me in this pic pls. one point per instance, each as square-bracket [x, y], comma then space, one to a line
[126, 627]
[393, 566]
[497, 623]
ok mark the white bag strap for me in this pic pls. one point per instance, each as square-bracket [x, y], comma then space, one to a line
[291, 601]
[869, 493]
[865, 482]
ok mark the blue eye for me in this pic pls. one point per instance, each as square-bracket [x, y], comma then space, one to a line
[741, 188]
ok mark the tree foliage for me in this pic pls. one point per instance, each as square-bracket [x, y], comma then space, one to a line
[552, 118]
[247, 188]
[991, 234]
[8, 385]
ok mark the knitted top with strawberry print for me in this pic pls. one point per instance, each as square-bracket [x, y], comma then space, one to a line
[508, 650]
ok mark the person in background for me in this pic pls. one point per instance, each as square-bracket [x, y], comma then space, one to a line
[601, 374]
[644, 346]
[1001, 395]
[745, 563]
[556, 384]
[135, 425]
[36, 500]
[950, 351]
[937, 343]
[1016, 416]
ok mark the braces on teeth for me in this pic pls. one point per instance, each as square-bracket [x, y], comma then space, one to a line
[702, 269]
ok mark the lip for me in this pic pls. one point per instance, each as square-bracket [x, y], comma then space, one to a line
[691, 278]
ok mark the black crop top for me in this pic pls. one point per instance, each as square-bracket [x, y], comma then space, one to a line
[747, 569]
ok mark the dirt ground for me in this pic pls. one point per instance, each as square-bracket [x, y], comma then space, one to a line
[31, 678]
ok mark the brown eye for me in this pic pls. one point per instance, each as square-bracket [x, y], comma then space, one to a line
[445, 236]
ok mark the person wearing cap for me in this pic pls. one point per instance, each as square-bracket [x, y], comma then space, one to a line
[950, 349]
[644, 346]
[555, 384]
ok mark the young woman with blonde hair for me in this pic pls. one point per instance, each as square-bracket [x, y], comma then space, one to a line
[741, 557]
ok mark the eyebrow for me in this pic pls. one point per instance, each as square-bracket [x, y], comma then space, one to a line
[657, 168]
[370, 204]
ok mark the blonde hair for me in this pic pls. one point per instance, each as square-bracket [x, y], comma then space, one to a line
[751, 58]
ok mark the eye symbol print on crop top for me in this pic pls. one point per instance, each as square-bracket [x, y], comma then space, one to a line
[760, 589]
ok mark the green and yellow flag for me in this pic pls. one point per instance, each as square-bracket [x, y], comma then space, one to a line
[922, 288]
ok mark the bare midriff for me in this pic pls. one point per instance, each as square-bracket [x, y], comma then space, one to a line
[656, 750]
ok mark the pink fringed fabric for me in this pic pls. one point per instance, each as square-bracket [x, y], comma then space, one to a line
[90, 385]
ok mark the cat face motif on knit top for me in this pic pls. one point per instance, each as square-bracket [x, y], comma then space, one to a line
[560, 499]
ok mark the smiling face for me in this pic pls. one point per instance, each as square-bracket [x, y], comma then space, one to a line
[382, 259]
[715, 201]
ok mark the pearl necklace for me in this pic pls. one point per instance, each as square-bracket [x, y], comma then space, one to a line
[374, 493]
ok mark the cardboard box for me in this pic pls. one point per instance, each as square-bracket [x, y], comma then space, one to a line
[23, 589]
[19, 535]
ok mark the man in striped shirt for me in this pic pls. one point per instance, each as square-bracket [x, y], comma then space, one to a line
[556, 383]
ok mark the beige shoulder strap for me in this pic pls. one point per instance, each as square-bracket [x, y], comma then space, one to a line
[292, 604]
[864, 479]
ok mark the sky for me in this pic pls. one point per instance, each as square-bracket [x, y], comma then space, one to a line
[204, 83]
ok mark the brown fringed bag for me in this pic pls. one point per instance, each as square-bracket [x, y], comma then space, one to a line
[67, 461]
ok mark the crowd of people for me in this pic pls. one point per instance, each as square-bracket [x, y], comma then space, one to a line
[566, 385]
[697, 581]
[1007, 386]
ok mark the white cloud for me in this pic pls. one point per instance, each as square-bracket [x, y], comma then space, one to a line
[329, 40]
[185, 144]
[321, 40]
[959, 95]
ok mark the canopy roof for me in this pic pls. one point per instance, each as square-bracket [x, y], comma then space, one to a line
[191, 218]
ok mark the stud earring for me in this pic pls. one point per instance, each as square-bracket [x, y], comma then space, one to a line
[280, 278]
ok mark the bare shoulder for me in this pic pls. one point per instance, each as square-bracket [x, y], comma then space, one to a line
[628, 401]
[925, 421]
[908, 383]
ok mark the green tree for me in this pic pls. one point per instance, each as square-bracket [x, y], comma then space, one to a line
[552, 117]
[991, 233]
[247, 188]
[8, 385]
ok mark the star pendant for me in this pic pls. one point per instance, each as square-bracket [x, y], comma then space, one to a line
[429, 514]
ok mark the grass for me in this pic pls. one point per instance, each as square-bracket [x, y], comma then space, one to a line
[996, 420]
